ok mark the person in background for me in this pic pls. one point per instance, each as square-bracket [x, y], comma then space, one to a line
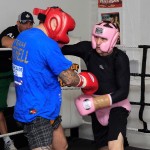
[109, 106]
[38, 63]
[7, 37]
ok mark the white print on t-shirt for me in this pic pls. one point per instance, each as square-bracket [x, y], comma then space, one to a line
[18, 71]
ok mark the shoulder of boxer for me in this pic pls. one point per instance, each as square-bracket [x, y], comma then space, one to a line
[10, 32]
[7, 36]
[122, 66]
[121, 58]
[122, 69]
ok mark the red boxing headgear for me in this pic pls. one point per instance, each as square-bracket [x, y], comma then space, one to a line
[64, 21]
[108, 31]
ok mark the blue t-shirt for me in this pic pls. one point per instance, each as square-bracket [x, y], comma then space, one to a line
[37, 62]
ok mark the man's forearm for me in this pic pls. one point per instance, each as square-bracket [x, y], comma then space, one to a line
[7, 42]
[69, 77]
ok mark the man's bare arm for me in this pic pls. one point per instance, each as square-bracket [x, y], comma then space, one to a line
[85, 80]
[69, 77]
[7, 42]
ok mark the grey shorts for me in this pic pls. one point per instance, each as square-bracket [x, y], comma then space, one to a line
[39, 132]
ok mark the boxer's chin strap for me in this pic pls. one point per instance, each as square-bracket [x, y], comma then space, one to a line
[102, 101]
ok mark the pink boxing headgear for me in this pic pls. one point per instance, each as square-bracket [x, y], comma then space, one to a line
[65, 23]
[108, 31]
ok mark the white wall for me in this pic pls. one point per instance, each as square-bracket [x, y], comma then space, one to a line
[80, 10]
[131, 22]
[134, 16]
[144, 22]
[134, 22]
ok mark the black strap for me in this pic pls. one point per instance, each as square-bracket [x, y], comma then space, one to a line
[142, 101]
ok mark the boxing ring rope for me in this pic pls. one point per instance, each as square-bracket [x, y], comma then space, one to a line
[16, 132]
[142, 100]
[12, 133]
[142, 75]
[84, 122]
[130, 129]
[5, 49]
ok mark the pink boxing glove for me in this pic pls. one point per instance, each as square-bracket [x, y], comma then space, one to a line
[87, 104]
[84, 104]
[88, 83]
